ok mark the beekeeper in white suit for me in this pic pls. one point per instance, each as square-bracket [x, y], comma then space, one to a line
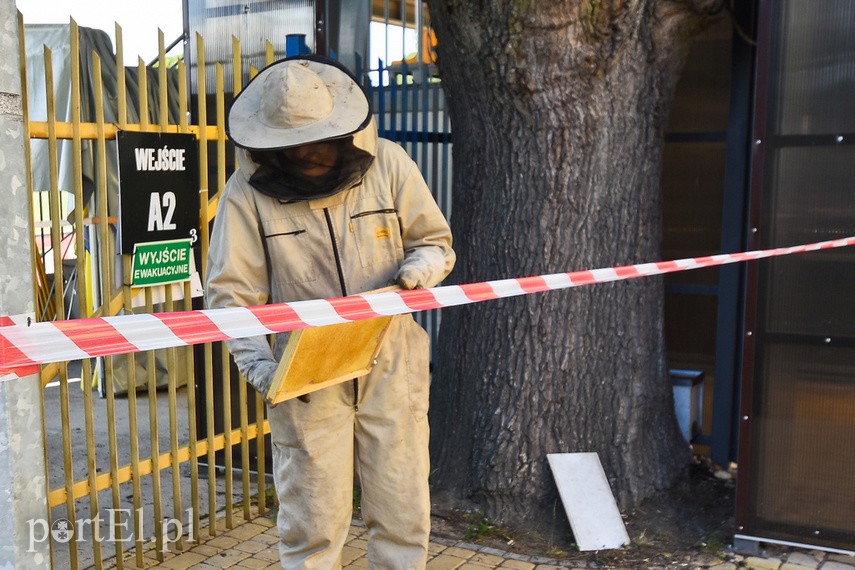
[321, 207]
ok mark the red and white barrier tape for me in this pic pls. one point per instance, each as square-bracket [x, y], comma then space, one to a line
[56, 341]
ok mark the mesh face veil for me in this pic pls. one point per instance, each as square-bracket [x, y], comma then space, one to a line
[299, 174]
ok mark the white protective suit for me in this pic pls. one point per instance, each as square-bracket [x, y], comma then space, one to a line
[266, 251]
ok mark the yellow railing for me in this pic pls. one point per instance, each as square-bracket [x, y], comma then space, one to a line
[183, 446]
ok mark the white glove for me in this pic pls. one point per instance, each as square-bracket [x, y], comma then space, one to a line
[419, 273]
[410, 277]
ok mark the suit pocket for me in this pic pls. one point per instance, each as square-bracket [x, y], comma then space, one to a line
[377, 233]
[289, 248]
[418, 368]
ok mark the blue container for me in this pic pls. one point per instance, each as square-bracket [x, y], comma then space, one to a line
[295, 44]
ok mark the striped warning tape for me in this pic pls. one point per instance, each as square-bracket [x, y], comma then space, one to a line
[55, 341]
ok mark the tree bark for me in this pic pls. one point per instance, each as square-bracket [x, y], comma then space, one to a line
[558, 109]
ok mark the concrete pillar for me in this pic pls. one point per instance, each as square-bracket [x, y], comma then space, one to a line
[23, 490]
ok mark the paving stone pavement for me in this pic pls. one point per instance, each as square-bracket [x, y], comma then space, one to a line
[252, 545]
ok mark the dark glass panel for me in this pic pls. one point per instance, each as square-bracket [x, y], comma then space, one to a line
[692, 199]
[813, 92]
[804, 432]
[701, 102]
[814, 200]
[690, 330]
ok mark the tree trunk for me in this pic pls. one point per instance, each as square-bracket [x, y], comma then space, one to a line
[558, 111]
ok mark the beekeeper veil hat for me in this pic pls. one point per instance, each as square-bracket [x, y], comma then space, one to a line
[296, 101]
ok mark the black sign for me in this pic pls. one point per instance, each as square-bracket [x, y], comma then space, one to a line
[158, 188]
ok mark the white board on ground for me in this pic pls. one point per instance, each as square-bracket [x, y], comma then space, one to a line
[588, 501]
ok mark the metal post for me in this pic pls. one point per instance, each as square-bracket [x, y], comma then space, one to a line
[321, 28]
[25, 542]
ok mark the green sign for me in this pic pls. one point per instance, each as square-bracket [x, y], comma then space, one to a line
[161, 262]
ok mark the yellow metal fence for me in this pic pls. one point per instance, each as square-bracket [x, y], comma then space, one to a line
[123, 502]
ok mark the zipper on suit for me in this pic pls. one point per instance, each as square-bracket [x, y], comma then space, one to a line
[343, 287]
[369, 213]
[373, 212]
[338, 267]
